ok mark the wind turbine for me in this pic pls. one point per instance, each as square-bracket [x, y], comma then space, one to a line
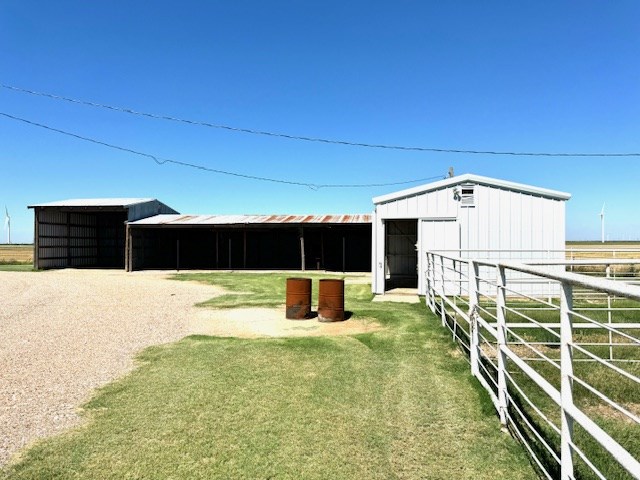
[602, 222]
[7, 224]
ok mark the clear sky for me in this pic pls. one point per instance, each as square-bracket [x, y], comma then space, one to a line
[497, 75]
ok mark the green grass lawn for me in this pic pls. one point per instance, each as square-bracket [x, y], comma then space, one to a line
[16, 267]
[396, 403]
[613, 385]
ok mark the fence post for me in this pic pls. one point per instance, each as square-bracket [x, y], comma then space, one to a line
[502, 343]
[474, 343]
[608, 275]
[427, 280]
[549, 283]
[455, 287]
[566, 381]
[572, 258]
[443, 315]
[433, 281]
[431, 301]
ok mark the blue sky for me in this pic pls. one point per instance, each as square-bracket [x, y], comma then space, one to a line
[516, 76]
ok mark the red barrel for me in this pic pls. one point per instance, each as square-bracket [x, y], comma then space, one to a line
[298, 298]
[331, 300]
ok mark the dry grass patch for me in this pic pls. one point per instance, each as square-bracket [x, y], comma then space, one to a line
[16, 254]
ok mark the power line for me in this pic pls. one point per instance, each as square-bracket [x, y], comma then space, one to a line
[312, 139]
[163, 161]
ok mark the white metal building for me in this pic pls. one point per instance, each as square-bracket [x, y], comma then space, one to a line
[468, 216]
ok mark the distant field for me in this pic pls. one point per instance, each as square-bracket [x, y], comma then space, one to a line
[12, 254]
[622, 250]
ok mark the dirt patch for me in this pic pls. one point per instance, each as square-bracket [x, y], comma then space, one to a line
[271, 322]
[606, 411]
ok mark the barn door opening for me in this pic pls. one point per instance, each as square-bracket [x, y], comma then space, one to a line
[401, 256]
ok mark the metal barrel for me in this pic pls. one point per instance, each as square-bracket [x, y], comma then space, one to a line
[298, 298]
[331, 300]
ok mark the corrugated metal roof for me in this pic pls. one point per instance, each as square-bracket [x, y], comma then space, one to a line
[94, 202]
[470, 178]
[177, 220]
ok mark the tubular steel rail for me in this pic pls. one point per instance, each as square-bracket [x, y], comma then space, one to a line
[544, 361]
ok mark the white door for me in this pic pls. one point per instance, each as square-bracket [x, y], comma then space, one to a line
[438, 234]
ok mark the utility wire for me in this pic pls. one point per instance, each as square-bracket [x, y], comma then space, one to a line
[313, 139]
[163, 161]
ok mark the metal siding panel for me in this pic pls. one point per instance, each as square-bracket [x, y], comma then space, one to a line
[483, 218]
[412, 206]
[441, 203]
[504, 230]
[379, 265]
[537, 223]
[560, 237]
[526, 240]
[403, 207]
[374, 251]
[477, 215]
[493, 230]
[452, 204]
[421, 260]
[515, 224]
[52, 239]
[548, 225]
[382, 210]
[422, 206]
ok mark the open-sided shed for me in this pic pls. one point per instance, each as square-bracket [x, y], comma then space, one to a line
[278, 242]
[466, 215]
[87, 233]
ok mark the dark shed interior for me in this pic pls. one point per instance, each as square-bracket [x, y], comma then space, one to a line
[255, 247]
[67, 237]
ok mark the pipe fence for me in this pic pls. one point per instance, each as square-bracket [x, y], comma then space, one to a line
[556, 350]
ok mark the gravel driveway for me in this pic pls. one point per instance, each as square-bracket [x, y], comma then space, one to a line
[64, 333]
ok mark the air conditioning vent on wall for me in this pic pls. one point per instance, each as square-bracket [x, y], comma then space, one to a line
[467, 196]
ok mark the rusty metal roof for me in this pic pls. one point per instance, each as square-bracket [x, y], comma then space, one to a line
[204, 220]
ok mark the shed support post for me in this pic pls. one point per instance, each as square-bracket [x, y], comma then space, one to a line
[344, 256]
[68, 239]
[502, 344]
[132, 263]
[126, 247]
[566, 381]
[178, 253]
[322, 249]
[36, 239]
[302, 259]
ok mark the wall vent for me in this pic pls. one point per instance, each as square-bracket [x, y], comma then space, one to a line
[467, 196]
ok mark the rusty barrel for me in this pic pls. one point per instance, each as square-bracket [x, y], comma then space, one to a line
[298, 298]
[331, 300]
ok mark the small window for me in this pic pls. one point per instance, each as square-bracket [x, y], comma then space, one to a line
[467, 198]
